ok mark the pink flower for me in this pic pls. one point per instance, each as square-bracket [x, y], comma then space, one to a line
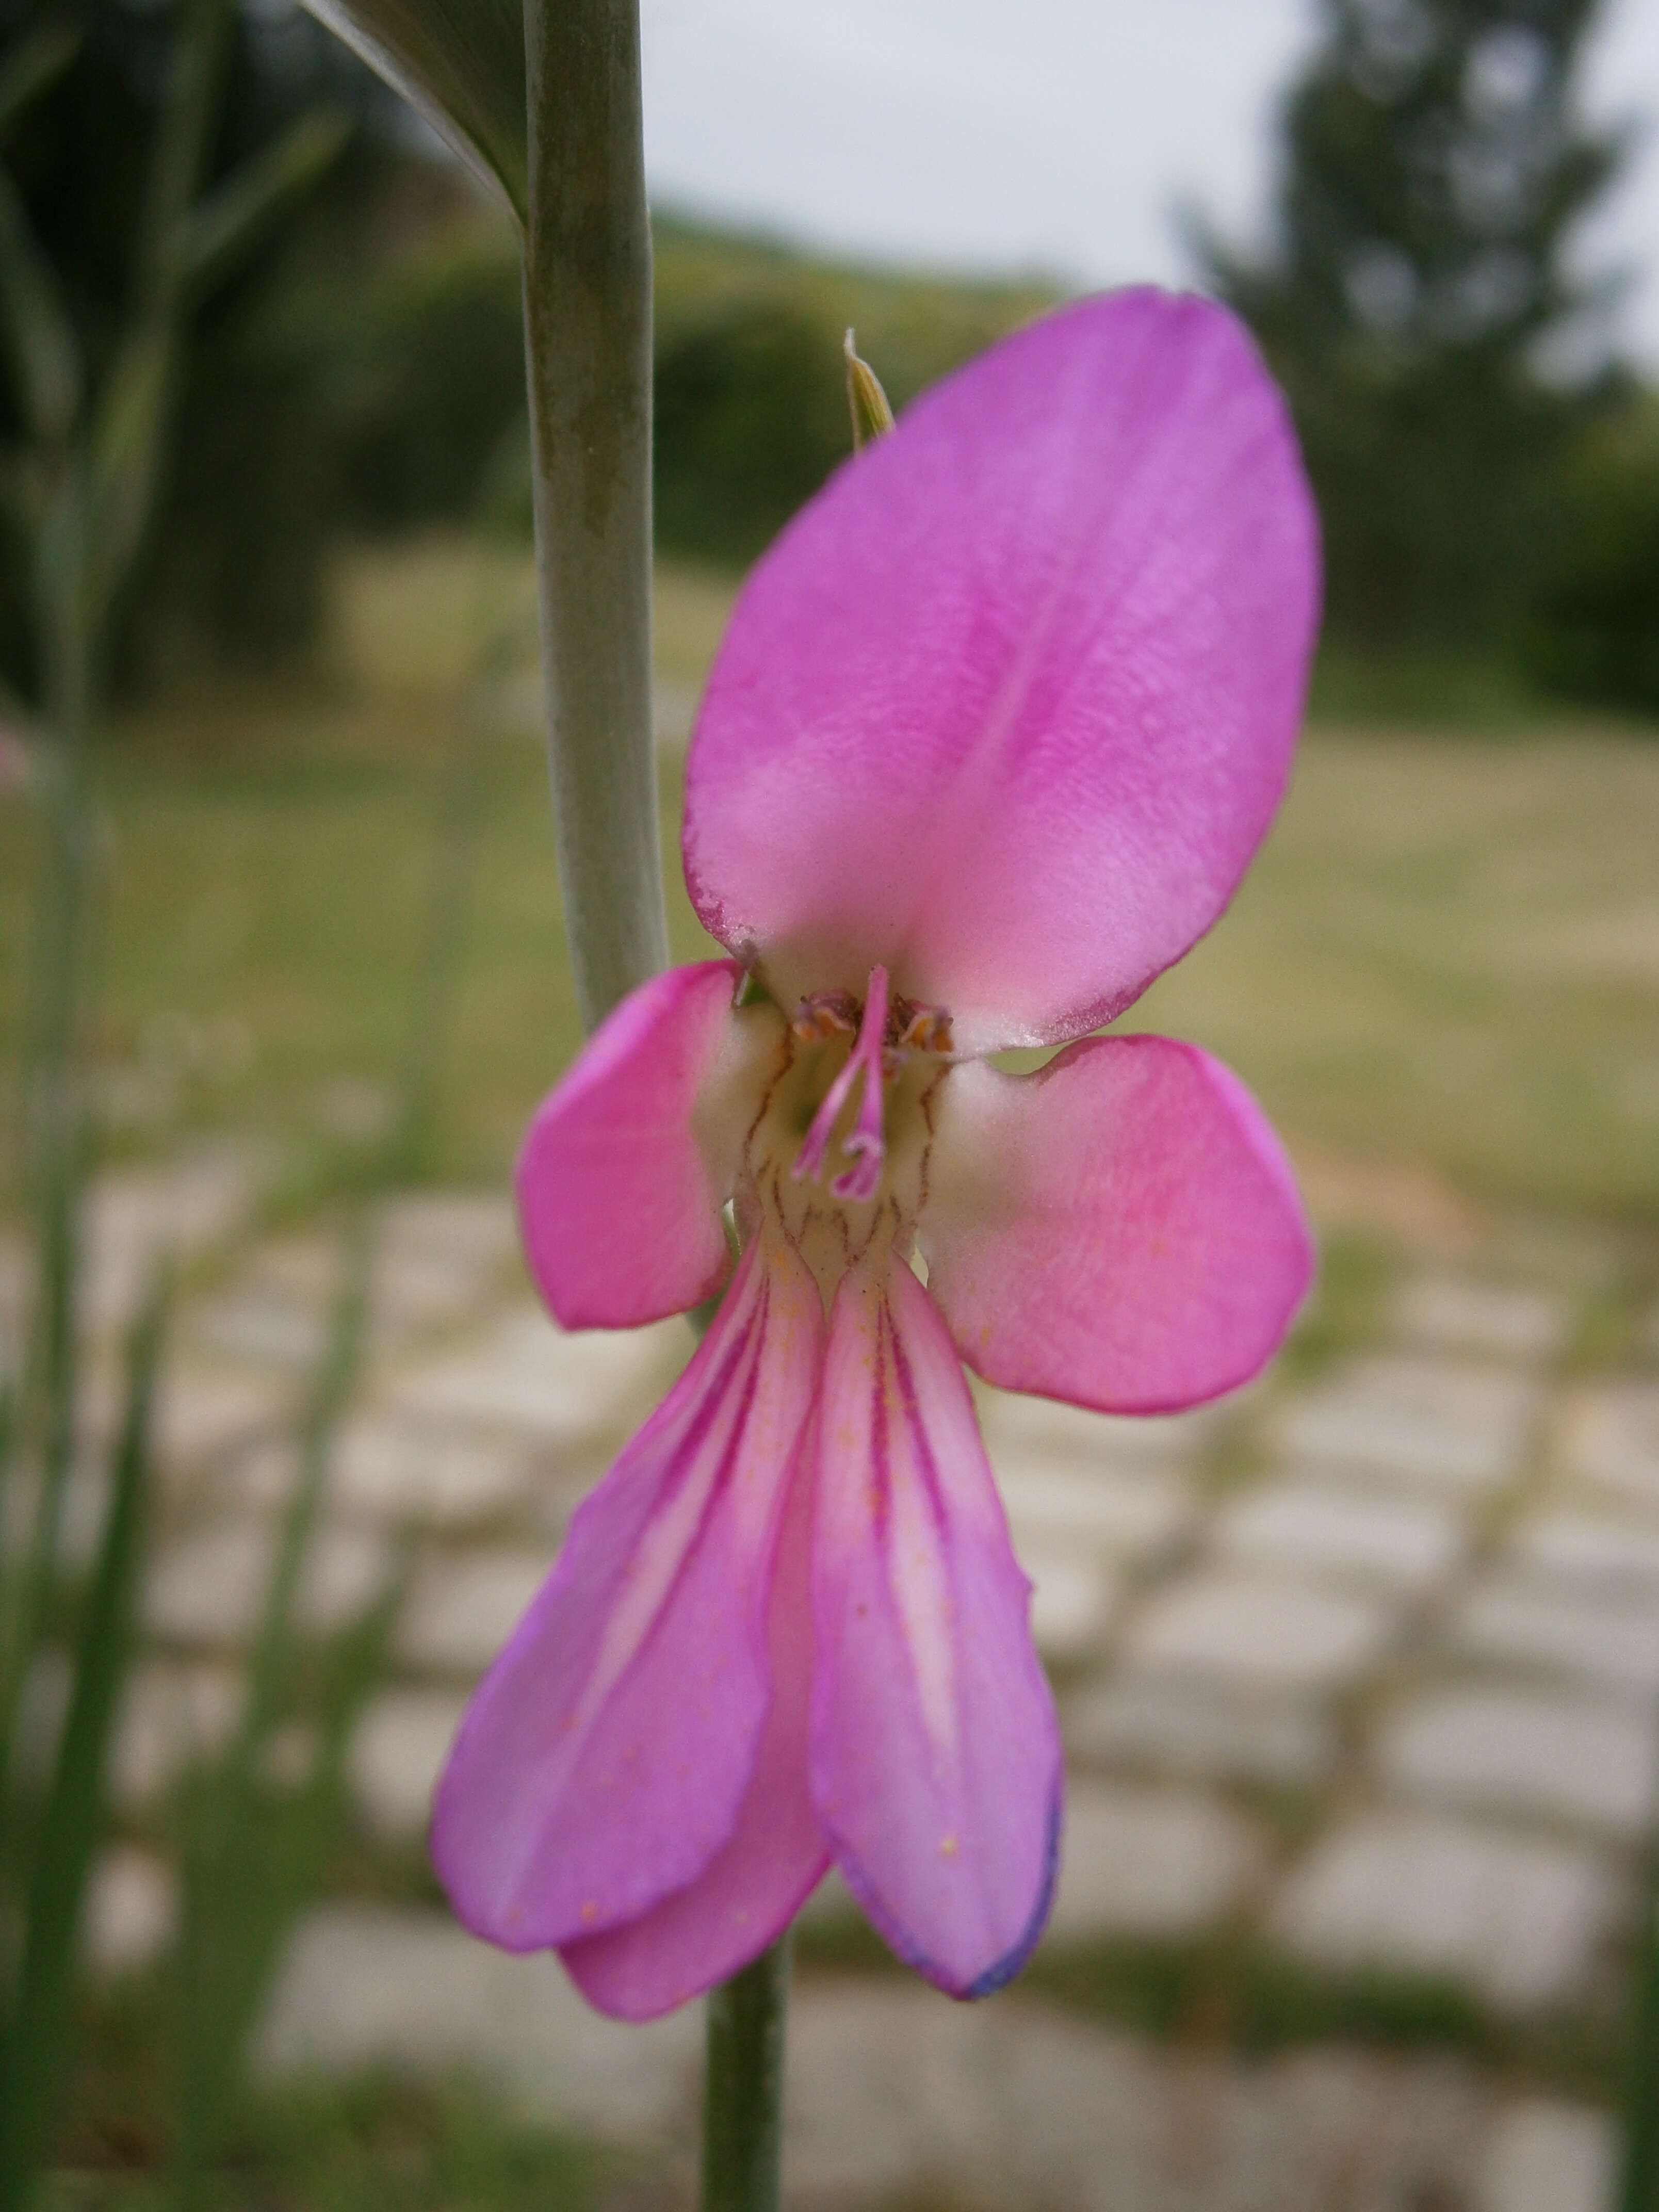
[998, 724]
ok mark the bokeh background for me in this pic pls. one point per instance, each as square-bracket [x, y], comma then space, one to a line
[1359, 1673]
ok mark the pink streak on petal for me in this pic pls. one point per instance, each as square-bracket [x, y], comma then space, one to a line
[604, 1761]
[619, 1197]
[1011, 704]
[935, 1760]
[1121, 1229]
[752, 1889]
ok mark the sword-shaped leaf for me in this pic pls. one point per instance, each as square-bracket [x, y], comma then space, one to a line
[219, 230]
[461, 64]
[35, 331]
[33, 64]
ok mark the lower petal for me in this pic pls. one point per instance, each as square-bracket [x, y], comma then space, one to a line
[1122, 1229]
[603, 1762]
[753, 1887]
[935, 1760]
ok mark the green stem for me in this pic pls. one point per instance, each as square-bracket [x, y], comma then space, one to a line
[743, 2086]
[587, 334]
[1638, 2189]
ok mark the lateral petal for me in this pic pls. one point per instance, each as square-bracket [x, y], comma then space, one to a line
[627, 1164]
[936, 1759]
[1121, 1229]
[1008, 707]
[752, 1888]
[604, 1761]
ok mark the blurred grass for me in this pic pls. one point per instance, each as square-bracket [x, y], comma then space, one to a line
[1446, 958]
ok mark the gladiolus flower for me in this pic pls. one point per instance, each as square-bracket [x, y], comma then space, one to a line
[996, 727]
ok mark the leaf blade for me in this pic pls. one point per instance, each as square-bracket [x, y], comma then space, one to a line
[461, 64]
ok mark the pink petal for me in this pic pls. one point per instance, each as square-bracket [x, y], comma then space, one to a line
[752, 1889]
[1008, 706]
[604, 1761]
[1121, 1229]
[627, 1162]
[936, 1758]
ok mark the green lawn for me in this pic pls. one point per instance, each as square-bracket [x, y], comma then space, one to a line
[1445, 963]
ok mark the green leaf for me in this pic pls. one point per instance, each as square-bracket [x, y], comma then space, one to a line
[39, 336]
[222, 228]
[31, 2067]
[461, 64]
[34, 64]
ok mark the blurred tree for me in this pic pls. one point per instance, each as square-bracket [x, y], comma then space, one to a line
[232, 555]
[1593, 632]
[1437, 350]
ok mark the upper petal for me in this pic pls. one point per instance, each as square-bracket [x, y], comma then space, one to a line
[936, 1759]
[603, 1762]
[754, 1886]
[1121, 1229]
[1008, 706]
[626, 1165]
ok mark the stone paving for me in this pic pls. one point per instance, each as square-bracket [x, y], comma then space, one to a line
[1362, 1670]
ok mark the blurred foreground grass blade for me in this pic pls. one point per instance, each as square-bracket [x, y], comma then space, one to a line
[1636, 2188]
[461, 64]
[40, 341]
[36, 2029]
[210, 240]
[336, 1379]
[256, 1840]
[34, 64]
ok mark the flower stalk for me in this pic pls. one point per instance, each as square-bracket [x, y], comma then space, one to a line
[587, 335]
[743, 2086]
[587, 338]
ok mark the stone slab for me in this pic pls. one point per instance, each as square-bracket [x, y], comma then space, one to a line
[1464, 1314]
[206, 1411]
[129, 1912]
[275, 1308]
[1601, 1637]
[397, 1752]
[1044, 1430]
[209, 1586]
[1261, 1634]
[1397, 1541]
[1072, 1599]
[136, 1217]
[1518, 1917]
[526, 1374]
[397, 1472]
[1548, 1754]
[1611, 1436]
[1459, 1428]
[893, 2094]
[1544, 2156]
[1132, 1516]
[172, 1715]
[895, 2098]
[462, 1609]
[1147, 1862]
[1192, 1728]
[365, 1988]
[477, 1227]
[1591, 1551]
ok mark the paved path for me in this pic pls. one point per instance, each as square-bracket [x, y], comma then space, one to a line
[1363, 1668]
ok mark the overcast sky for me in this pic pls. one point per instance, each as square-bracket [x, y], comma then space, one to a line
[1053, 135]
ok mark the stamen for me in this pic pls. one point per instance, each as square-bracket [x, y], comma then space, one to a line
[826, 1014]
[922, 1028]
[864, 1145]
